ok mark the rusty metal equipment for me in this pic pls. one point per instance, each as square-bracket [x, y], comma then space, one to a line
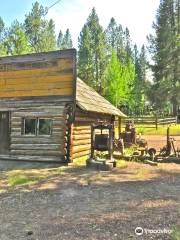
[102, 141]
[129, 136]
[152, 153]
[119, 145]
[169, 148]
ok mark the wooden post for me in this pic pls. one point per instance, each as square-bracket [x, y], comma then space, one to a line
[168, 152]
[119, 126]
[110, 143]
[156, 122]
[92, 141]
[71, 142]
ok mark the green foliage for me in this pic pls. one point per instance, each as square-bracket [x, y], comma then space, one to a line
[67, 41]
[2, 35]
[64, 42]
[92, 53]
[85, 56]
[140, 84]
[40, 32]
[105, 60]
[2, 26]
[36, 34]
[119, 79]
[115, 38]
[16, 41]
[165, 48]
[115, 84]
[60, 40]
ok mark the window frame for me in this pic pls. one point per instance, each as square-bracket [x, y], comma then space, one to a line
[24, 126]
[36, 127]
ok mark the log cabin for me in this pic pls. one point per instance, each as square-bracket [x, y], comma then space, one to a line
[46, 111]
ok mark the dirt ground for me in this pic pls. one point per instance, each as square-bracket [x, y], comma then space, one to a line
[83, 204]
[159, 141]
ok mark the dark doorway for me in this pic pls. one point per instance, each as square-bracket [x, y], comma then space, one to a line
[4, 132]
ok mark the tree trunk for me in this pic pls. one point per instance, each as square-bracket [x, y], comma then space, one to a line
[175, 107]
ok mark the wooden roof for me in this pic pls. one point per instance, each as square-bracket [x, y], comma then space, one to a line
[89, 100]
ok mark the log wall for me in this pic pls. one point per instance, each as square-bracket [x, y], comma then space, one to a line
[38, 148]
[81, 132]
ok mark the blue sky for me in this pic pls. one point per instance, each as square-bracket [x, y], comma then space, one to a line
[16, 9]
[137, 15]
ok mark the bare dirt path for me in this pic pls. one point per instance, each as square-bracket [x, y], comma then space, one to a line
[88, 205]
[159, 141]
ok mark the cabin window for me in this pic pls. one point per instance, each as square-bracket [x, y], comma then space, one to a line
[30, 126]
[37, 126]
[44, 126]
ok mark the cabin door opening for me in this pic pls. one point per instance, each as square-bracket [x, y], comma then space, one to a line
[4, 132]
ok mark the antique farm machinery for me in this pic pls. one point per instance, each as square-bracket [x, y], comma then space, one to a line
[102, 138]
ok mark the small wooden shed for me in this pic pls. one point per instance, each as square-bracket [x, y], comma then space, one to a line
[45, 111]
[90, 108]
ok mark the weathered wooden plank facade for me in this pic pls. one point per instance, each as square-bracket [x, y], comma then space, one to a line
[37, 101]
[45, 111]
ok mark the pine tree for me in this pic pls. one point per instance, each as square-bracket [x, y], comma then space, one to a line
[121, 49]
[165, 49]
[128, 46]
[116, 39]
[40, 32]
[2, 26]
[60, 40]
[48, 37]
[85, 56]
[140, 83]
[112, 34]
[93, 52]
[120, 41]
[2, 36]
[67, 40]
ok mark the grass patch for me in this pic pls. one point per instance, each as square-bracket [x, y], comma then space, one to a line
[121, 164]
[20, 180]
[31, 176]
[175, 234]
[146, 130]
[151, 130]
[80, 161]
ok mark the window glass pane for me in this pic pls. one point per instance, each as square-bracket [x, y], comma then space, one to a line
[45, 126]
[30, 126]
